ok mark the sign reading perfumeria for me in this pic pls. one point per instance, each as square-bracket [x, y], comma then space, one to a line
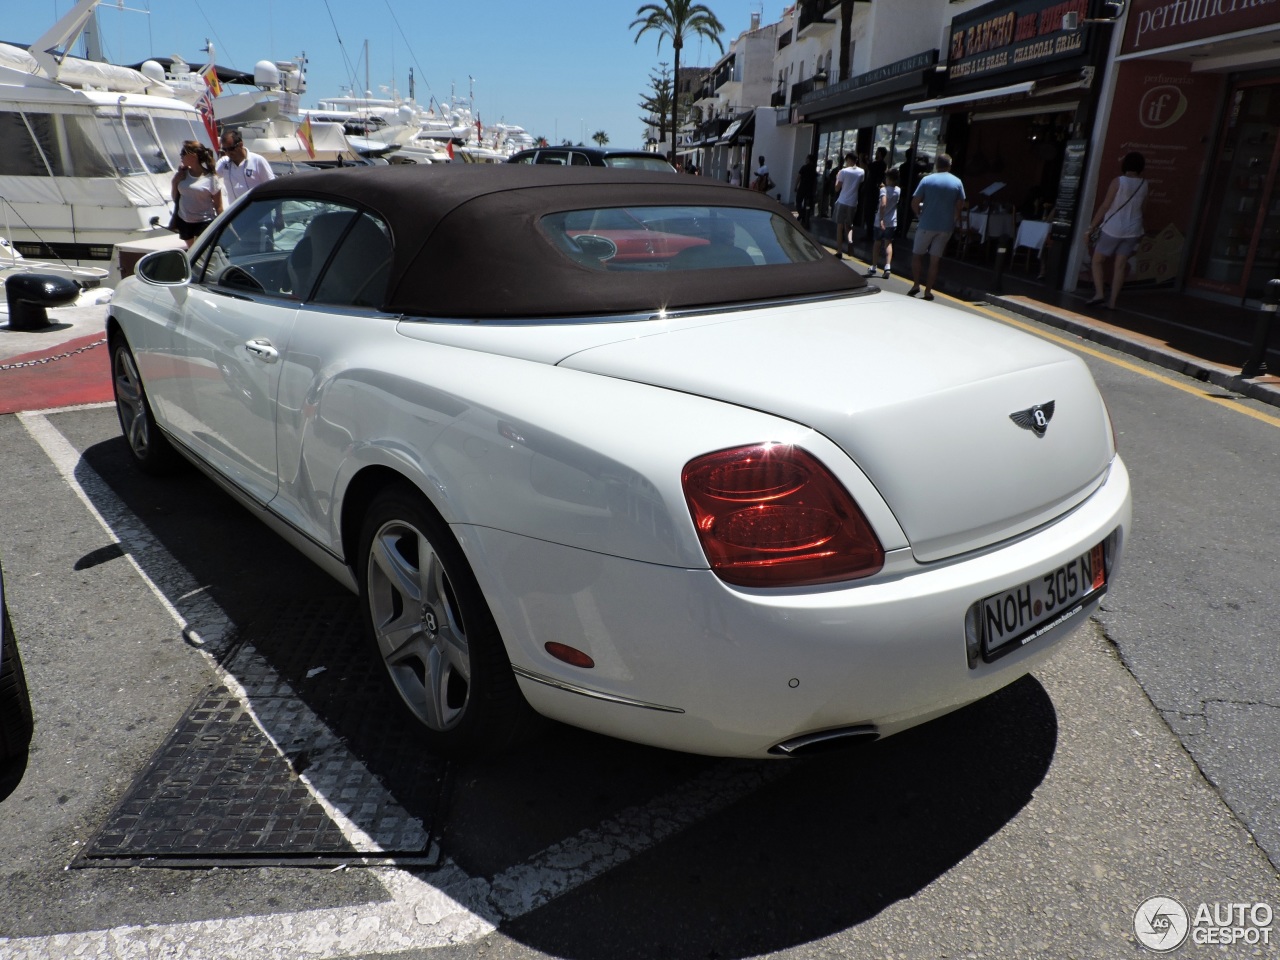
[1153, 24]
[1010, 34]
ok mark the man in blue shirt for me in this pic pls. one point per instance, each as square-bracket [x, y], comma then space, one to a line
[937, 202]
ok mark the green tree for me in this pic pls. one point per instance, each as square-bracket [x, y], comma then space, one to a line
[657, 101]
[600, 137]
[677, 20]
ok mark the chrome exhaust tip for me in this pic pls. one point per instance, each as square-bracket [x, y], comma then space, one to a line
[825, 741]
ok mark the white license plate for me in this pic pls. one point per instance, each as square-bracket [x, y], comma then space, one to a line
[1018, 616]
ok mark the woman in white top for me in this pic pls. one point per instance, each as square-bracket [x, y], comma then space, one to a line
[1120, 221]
[196, 191]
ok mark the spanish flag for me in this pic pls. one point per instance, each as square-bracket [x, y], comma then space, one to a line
[210, 74]
[304, 134]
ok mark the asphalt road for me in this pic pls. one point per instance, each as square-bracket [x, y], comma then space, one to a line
[1141, 762]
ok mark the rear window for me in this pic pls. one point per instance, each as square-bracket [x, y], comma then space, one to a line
[636, 239]
[644, 162]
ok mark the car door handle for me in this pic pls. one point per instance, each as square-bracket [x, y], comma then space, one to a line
[263, 350]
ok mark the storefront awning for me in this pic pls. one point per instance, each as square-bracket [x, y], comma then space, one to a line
[931, 106]
[741, 130]
[1030, 88]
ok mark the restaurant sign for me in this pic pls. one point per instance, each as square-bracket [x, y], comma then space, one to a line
[1011, 34]
[921, 61]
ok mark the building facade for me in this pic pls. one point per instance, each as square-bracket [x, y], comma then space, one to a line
[1037, 102]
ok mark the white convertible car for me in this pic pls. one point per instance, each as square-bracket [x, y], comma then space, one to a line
[630, 449]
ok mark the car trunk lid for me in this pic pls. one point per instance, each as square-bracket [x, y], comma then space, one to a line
[924, 399]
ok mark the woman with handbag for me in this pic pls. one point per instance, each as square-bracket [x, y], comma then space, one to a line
[197, 194]
[1117, 227]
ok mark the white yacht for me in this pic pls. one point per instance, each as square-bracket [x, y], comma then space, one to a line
[90, 150]
[263, 106]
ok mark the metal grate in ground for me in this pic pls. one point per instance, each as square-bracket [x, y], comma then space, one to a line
[227, 786]
[219, 788]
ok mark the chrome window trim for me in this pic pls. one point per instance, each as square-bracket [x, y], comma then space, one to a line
[643, 317]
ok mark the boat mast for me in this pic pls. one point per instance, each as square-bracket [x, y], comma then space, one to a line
[52, 48]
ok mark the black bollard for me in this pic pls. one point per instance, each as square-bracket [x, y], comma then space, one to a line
[1256, 365]
[1002, 254]
[29, 294]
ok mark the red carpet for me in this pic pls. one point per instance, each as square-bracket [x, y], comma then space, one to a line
[83, 377]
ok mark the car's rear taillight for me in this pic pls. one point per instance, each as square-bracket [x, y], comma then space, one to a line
[771, 515]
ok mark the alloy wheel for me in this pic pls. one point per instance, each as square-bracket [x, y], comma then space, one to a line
[418, 625]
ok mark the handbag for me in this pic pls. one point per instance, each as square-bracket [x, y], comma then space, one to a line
[173, 220]
[1096, 233]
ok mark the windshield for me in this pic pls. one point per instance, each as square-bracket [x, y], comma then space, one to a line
[678, 238]
[645, 162]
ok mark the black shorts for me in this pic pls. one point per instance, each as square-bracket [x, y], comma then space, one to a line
[189, 231]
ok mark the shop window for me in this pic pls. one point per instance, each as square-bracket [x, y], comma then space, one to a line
[1240, 245]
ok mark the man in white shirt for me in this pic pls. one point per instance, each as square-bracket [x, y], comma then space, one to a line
[848, 185]
[239, 169]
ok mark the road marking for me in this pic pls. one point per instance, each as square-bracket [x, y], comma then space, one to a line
[439, 908]
[1228, 404]
[249, 677]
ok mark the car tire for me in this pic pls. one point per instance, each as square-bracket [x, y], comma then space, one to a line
[15, 703]
[148, 445]
[433, 630]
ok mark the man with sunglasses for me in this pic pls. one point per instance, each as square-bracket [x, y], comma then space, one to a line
[240, 169]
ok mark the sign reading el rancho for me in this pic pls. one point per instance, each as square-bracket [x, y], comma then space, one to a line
[1010, 34]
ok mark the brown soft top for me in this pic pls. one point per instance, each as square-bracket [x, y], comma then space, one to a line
[468, 245]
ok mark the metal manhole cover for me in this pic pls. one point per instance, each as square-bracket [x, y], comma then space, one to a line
[219, 789]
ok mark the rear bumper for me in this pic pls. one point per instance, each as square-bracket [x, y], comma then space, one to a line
[686, 662]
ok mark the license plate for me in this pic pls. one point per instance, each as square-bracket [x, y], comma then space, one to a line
[1016, 617]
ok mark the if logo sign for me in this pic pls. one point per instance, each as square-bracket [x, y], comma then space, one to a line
[1161, 107]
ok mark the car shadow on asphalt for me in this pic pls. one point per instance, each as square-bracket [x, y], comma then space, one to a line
[819, 846]
[822, 849]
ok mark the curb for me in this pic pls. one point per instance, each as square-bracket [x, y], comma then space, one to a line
[1265, 389]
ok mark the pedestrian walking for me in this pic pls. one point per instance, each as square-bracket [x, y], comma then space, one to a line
[886, 223]
[876, 171]
[828, 188]
[1117, 227]
[761, 181]
[848, 183]
[937, 203]
[806, 189]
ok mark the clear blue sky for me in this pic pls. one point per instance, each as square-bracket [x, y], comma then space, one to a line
[560, 68]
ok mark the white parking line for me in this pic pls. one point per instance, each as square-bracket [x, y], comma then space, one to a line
[332, 764]
[442, 908]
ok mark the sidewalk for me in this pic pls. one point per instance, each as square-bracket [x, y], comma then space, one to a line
[1202, 339]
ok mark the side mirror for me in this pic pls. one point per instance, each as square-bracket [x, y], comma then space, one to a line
[165, 268]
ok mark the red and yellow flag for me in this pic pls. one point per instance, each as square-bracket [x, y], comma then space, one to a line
[210, 74]
[304, 134]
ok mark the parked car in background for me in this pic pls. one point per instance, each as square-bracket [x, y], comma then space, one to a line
[594, 157]
[15, 703]
[630, 449]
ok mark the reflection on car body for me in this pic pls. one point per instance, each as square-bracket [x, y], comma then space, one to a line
[654, 471]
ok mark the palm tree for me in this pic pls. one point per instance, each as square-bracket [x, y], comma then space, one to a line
[678, 20]
[600, 137]
[846, 29]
